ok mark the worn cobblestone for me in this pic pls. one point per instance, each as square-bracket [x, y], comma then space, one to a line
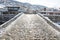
[30, 27]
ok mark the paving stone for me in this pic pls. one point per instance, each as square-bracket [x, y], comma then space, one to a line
[30, 27]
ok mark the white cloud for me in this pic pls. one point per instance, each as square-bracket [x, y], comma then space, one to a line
[49, 3]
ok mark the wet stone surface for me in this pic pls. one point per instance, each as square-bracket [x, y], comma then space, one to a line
[30, 27]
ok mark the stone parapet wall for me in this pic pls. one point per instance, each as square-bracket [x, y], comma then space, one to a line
[54, 25]
[11, 20]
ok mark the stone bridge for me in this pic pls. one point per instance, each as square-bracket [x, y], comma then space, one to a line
[29, 27]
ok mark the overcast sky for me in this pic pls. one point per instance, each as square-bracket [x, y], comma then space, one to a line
[48, 3]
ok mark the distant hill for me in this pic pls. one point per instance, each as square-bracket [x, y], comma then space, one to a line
[16, 3]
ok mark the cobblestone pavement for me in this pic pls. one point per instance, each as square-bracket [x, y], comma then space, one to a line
[30, 27]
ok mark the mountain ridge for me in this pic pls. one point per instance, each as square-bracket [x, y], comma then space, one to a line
[16, 3]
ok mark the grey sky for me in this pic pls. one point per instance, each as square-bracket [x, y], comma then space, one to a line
[48, 3]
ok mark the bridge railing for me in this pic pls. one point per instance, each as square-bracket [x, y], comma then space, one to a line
[11, 20]
[54, 25]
